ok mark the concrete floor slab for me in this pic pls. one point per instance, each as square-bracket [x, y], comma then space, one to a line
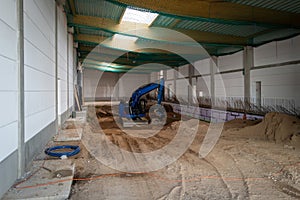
[52, 180]
[68, 135]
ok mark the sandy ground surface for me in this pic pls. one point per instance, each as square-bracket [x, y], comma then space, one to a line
[251, 160]
[243, 165]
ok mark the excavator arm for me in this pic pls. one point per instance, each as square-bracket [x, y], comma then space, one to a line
[135, 105]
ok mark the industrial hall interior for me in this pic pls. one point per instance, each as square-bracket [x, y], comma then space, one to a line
[150, 100]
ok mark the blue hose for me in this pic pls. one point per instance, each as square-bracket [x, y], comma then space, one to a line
[76, 150]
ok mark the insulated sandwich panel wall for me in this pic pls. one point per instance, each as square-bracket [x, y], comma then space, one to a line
[183, 71]
[39, 83]
[62, 61]
[8, 79]
[233, 83]
[202, 67]
[170, 74]
[182, 89]
[91, 79]
[154, 76]
[203, 86]
[39, 59]
[277, 52]
[106, 88]
[71, 71]
[128, 83]
[169, 89]
[230, 62]
[98, 85]
[278, 83]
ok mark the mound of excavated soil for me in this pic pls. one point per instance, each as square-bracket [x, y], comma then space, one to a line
[278, 127]
[238, 124]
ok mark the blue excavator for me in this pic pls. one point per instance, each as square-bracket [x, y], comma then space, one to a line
[135, 110]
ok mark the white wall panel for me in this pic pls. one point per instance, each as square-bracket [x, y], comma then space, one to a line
[39, 58]
[170, 86]
[62, 61]
[8, 41]
[63, 97]
[39, 19]
[130, 82]
[203, 85]
[91, 78]
[296, 46]
[38, 80]
[102, 85]
[71, 69]
[39, 101]
[277, 52]
[220, 86]
[233, 84]
[278, 82]
[182, 89]
[107, 85]
[8, 79]
[265, 54]
[8, 13]
[34, 35]
[154, 76]
[183, 71]
[36, 59]
[62, 68]
[47, 7]
[37, 121]
[9, 110]
[8, 76]
[202, 67]
[230, 62]
[9, 139]
[39, 66]
[170, 74]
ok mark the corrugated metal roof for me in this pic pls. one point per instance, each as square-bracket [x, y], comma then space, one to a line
[263, 33]
[292, 6]
[99, 8]
[227, 29]
[163, 21]
[94, 32]
[280, 34]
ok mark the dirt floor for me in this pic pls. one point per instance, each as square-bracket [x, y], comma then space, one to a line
[251, 160]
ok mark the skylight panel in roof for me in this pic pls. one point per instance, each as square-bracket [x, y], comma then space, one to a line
[131, 15]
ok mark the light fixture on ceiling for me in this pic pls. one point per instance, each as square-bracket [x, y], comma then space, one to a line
[131, 15]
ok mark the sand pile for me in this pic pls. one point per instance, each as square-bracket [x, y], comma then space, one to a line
[237, 124]
[278, 127]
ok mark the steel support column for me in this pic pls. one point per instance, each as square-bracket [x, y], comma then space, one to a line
[213, 69]
[56, 67]
[248, 62]
[68, 72]
[175, 79]
[21, 110]
[190, 86]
